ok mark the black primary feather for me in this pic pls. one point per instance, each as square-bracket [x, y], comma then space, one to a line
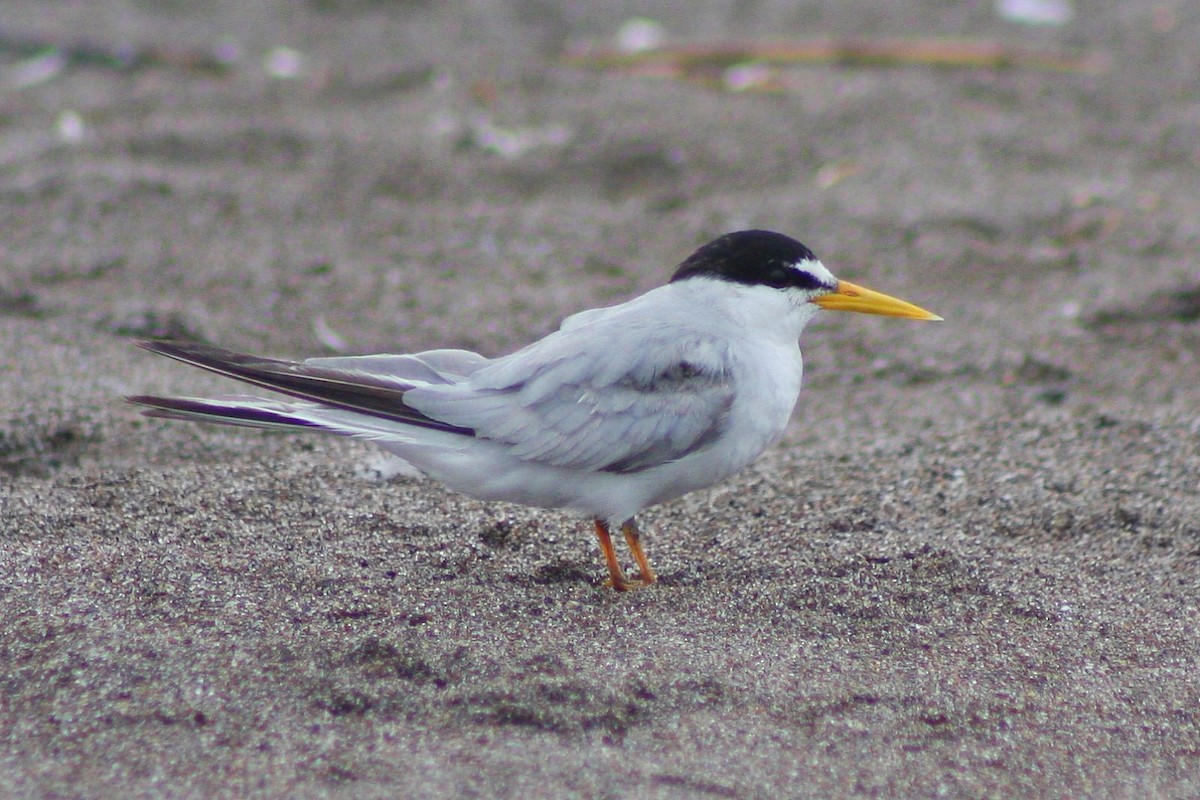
[352, 391]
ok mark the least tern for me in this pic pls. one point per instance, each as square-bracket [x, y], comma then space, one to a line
[619, 409]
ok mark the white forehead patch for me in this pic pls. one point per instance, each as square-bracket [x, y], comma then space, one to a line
[817, 270]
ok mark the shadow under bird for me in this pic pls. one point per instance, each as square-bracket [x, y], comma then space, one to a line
[621, 408]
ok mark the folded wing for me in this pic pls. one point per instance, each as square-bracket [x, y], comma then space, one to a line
[574, 400]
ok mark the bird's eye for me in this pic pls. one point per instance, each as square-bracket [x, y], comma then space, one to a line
[779, 277]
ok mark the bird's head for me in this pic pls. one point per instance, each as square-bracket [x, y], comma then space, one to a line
[765, 258]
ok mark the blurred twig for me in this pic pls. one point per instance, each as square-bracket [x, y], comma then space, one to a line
[704, 60]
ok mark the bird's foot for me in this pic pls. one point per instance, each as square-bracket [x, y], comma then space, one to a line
[624, 584]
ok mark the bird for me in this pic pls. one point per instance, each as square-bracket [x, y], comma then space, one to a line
[622, 408]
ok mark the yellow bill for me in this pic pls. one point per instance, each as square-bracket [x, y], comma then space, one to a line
[851, 297]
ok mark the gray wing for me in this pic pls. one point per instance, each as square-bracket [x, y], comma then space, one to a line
[592, 402]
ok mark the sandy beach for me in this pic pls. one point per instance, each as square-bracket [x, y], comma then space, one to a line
[971, 568]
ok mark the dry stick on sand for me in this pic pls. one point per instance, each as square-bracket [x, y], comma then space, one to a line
[709, 62]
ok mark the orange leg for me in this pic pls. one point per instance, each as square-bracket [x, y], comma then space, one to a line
[616, 575]
[633, 539]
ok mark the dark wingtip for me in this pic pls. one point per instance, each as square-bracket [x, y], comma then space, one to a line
[204, 410]
[331, 387]
[158, 345]
[171, 347]
[153, 405]
[152, 401]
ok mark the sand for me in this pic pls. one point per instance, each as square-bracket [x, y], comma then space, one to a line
[971, 568]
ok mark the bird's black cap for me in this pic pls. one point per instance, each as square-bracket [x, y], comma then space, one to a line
[754, 258]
